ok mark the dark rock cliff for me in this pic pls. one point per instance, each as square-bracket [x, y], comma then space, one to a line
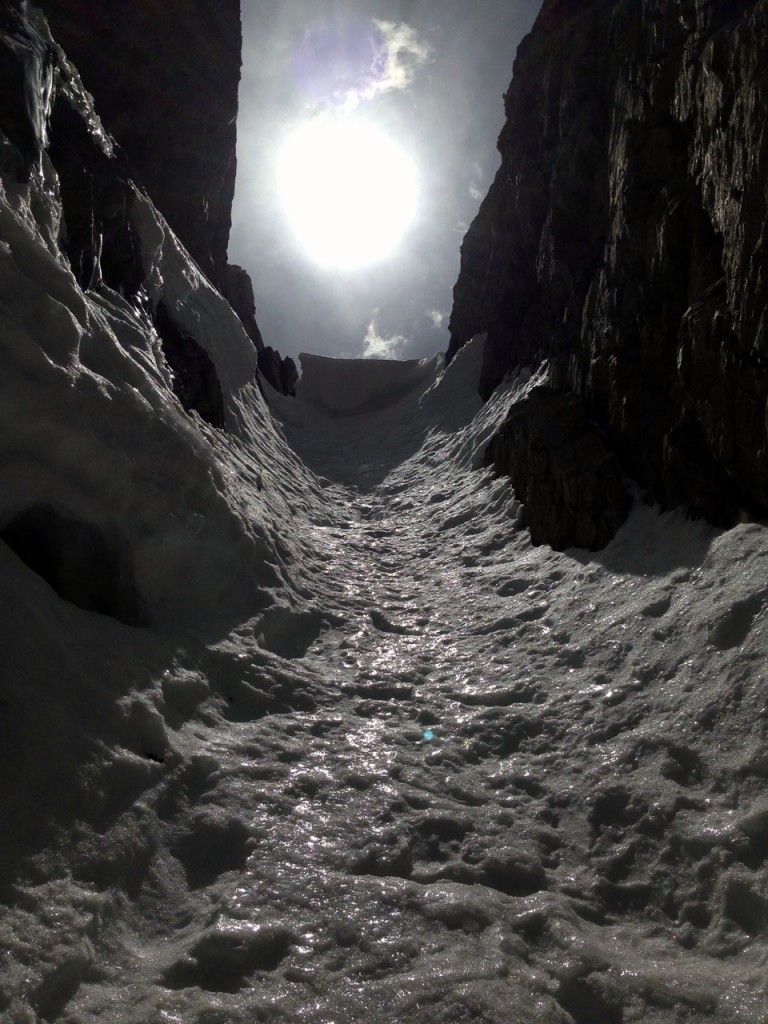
[624, 238]
[43, 117]
[561, 470]
[165, 80]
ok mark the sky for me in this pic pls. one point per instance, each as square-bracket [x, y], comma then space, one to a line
[428, 74]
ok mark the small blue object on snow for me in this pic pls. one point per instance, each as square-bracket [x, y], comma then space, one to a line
[428, 735]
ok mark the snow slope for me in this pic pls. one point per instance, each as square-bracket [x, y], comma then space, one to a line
[295, 723]
[377, 758]
[91, 427]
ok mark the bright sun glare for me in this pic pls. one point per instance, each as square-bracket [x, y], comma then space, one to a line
[349, 192]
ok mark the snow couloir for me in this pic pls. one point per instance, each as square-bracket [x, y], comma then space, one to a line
[296, 724]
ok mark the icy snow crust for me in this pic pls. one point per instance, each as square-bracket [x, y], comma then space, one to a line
[377, 758]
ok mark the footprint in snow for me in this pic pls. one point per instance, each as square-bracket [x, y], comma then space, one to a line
[732, 628]
[385, 625]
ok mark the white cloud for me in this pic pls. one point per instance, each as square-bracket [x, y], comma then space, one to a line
[343, 62]
[477, 181]
[397, 54]
[405, 53]
[437, 316]
[376, 347]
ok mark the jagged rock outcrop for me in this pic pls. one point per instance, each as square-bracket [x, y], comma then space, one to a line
[280, 372]
[561, 470]
[239, 290]
[277, 370]
[165, 78]
[624, 238]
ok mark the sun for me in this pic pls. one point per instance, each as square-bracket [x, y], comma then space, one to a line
[348, 190]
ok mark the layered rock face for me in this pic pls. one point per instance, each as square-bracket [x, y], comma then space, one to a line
[624, 238]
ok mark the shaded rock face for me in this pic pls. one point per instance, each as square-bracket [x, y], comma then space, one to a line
[277, 370]
[96, 195]
[561, 470]
[624, 238]
[165, 80]
[238, 289]
[26, 84]
[42, 116]
[194, 378]
[40, 112]
[280, 372]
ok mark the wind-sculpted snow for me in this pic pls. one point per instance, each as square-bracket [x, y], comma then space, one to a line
[440, 775]
[92, 433]
[295, 723]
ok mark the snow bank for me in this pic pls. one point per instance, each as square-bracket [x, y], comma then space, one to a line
[443, 776]
[352, 386]
[95, 439]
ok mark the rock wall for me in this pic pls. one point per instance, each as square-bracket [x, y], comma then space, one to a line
[566, 478]
[624, 238]
[165, 80]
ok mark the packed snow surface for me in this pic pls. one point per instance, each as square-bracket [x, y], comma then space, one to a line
[375, 758]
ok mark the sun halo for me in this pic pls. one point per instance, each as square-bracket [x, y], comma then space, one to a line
[349, 191]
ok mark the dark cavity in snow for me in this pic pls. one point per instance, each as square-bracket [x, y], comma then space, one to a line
[80, 562]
